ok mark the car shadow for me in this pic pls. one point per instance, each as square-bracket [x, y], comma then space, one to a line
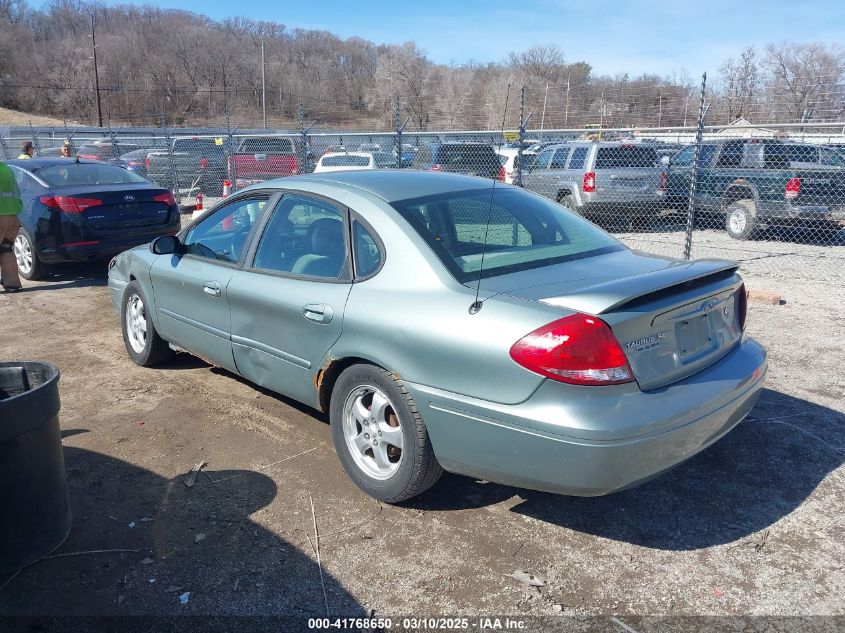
[200, 540]
[754, 476]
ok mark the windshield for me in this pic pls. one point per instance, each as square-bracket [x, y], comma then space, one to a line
[525, 231]
[73, 174]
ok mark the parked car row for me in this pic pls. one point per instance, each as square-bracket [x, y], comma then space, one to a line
[744, 185]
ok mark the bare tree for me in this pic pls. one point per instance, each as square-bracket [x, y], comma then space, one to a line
[805, 82]
[740, 81]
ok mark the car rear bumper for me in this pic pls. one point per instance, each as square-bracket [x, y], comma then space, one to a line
[600, 442]
[622, 207]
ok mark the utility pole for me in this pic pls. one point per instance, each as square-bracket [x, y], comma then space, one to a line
[263, 86]
[96, 74]
[566, 112]
[543, 116]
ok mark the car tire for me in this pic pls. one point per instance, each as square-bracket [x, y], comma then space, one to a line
[377, 465]
[143, 344]
[566, 200]
[29, 266]
[741, 221]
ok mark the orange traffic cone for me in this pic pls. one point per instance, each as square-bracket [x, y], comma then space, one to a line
[227, 188]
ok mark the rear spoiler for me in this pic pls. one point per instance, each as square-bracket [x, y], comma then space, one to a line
[628, 291]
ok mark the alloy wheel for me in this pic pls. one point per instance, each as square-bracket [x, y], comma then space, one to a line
[372, 432]
[23, 254]
[136, 323]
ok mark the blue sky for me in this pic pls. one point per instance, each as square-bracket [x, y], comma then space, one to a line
[658, 36]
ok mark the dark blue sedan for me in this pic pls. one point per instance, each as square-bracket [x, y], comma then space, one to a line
[82, 210]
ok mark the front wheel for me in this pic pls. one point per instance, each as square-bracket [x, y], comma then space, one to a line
[143, 344]
[29, 266]
[379, 435]
[741, 220]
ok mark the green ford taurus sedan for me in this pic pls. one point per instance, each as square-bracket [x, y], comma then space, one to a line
[448, 322]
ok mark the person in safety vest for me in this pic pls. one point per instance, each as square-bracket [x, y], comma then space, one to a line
[27, 150]
[10, 208]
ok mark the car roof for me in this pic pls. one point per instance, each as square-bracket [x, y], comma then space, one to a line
[33, 164]
[388, 184]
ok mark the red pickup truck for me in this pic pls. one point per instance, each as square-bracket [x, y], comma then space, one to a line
[263, 158]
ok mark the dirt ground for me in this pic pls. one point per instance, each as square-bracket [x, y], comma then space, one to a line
[752, 526]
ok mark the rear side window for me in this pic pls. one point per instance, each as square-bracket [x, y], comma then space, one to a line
[578, 158]
[465, 155]
[72, 174]
[367, 252]
[197, 145]
[625, 157]
[525, 231]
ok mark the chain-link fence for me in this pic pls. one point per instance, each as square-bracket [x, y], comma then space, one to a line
[771, 196]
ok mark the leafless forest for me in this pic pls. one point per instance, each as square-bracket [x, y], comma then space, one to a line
[168, 66]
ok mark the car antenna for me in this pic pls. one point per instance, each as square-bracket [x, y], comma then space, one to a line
[476, 305]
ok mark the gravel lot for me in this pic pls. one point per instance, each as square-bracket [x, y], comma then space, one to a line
[752, 526]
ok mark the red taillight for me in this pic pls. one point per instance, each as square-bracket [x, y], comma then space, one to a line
[663, 177]
[203, 163]
[436, 167]
[589, 184]
[502, 173]
[578, 349]
[741, 306]
[793, 188]
[167, 198]
[69, 204]
[146, 163]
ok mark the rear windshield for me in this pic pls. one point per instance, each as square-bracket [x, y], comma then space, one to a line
[465, 155]
[267, 146]
[105, 151]
[75, 174]
[197, 145]
[346, 161]
[525, 231]
[626, 156]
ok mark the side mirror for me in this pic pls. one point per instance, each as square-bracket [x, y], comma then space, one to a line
[666, 160]
[165, 245]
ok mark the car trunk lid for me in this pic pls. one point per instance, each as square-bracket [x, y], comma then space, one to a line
[111, 209]
[672, 318]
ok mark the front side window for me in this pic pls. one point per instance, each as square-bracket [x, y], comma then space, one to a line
[306, 236]
[684, 157]
[522, 231]
[543, 159]
[731, 155]
[222, 235]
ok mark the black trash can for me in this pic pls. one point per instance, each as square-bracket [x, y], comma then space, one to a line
[33, 490]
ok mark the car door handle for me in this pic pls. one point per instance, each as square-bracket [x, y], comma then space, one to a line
[211, 288]
[317, 312]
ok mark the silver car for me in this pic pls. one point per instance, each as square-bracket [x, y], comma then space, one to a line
[605, 181]
[450, 322]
